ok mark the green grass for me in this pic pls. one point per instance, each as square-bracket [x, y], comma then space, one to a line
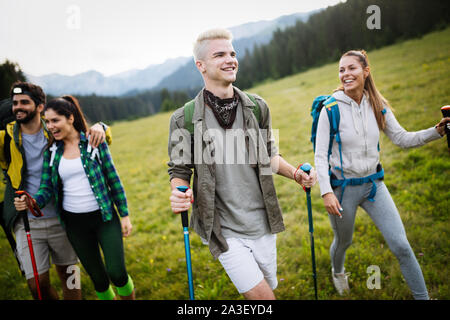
[413, 76]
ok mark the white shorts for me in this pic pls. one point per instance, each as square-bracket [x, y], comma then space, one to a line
[49, 239]
[248, 261]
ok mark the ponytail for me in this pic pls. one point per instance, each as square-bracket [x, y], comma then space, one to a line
[79, 122]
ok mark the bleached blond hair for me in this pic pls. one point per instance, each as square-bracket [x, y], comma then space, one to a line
[204, 38]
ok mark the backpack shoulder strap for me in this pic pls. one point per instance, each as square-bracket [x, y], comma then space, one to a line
[316, 108]
[7, 148]
[189, 108]
[6, 156]
[334, 116]
[188, 114]
[257, 109]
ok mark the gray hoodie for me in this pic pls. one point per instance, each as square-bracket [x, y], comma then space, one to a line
[360, 135]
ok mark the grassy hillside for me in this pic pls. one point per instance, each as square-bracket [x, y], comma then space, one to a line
[413, 75]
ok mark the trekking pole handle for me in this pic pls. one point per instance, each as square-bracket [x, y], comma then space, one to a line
[306, 168]
[34, 209]
[446, 113]
[18, 194]
[184, 214]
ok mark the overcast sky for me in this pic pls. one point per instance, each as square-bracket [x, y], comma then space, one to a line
[74, 36]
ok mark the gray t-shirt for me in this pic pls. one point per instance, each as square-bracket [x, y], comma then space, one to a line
[34, 146]
[238, 198]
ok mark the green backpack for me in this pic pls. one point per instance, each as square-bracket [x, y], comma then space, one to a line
[190, 106]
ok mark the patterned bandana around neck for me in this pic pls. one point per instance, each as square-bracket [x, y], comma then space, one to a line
[223, 109]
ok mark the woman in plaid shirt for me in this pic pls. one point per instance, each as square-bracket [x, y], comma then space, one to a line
[86, 187]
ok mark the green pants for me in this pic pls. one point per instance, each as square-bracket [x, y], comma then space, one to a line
[86, 231]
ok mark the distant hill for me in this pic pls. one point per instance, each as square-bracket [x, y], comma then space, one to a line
[178, 73]
[93, 82]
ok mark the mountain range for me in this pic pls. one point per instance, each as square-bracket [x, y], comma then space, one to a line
[174, 74]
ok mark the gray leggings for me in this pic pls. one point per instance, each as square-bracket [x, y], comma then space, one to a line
[385, 215]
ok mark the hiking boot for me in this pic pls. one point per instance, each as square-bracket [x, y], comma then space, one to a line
[340, 281]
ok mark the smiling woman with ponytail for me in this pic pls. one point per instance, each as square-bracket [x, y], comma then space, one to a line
[68, 106]
[376, 99]
[88, 191]
[354, 166]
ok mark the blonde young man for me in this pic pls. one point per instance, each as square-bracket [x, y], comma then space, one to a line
[235, 208]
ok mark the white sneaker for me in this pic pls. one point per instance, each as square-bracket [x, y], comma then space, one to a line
[340, 281]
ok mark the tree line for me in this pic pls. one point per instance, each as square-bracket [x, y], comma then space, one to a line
[133, 106]
[335, 30]
[10, 72]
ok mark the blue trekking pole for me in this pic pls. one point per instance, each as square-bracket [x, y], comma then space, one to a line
[306, 167]
[187, 248]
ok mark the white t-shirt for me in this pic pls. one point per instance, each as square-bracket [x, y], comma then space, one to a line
[78, 196]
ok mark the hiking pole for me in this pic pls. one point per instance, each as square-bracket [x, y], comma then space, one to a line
[446, 113]
[306, 167]
[26, 223]
[187, 248]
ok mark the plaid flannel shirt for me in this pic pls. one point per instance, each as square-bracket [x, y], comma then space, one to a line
[100, 171]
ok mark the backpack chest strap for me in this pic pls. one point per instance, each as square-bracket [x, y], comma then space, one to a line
[357, 182]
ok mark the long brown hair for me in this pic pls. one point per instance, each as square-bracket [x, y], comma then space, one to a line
[377, 101]
[66, 106]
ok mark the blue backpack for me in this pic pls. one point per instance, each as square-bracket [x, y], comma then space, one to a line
[334, 117]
